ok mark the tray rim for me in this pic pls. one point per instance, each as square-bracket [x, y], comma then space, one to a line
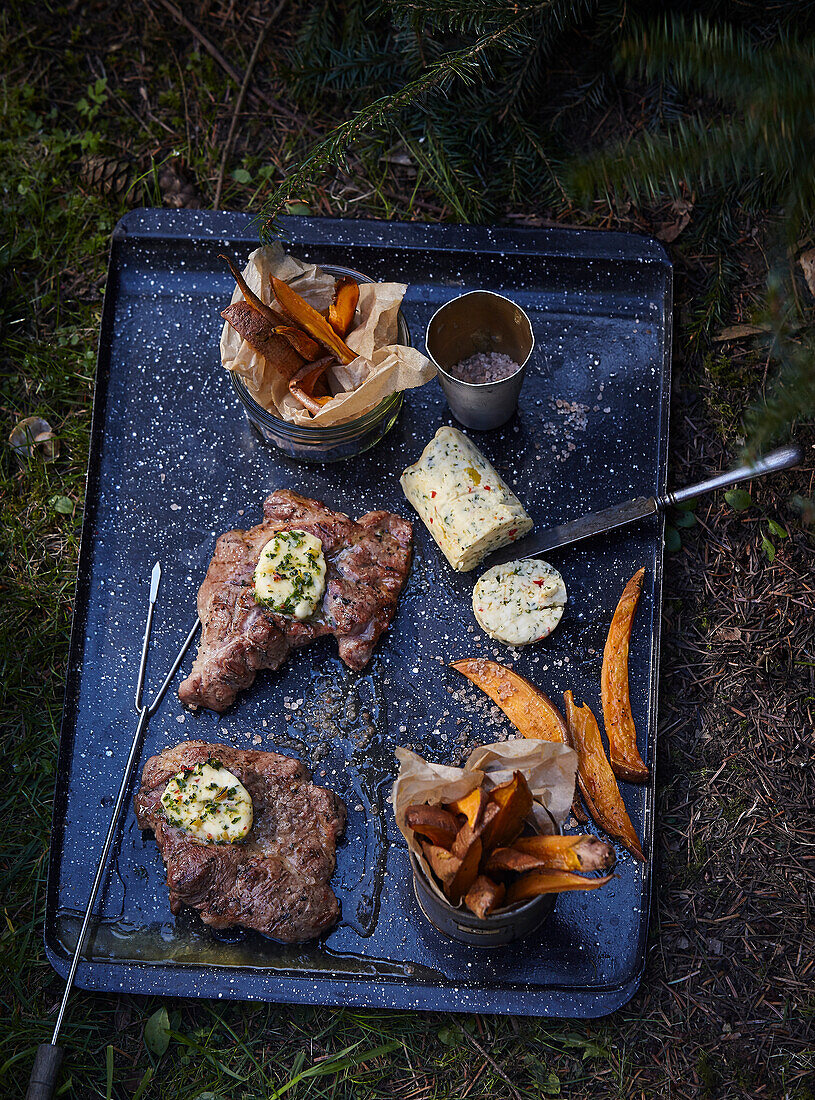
[154, 223]
[201, 225]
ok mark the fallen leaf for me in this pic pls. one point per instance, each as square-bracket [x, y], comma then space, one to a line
[399, 156]
[738, 332]
[670, 230]
[738, 499]
[157, 1033]
[807, 262]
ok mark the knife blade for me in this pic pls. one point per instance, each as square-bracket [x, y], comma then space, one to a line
[618, 515]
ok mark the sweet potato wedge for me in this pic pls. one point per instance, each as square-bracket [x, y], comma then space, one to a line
[472, 805]
[306, 347]
[457, 869]
[484, 896]
[432, 822]
[514, 800]
[510, 859]
[303, 386]
[622, 736]
[535, 883]
[252, 299]
[259, 334]
[313, 404]
[591, 853]
[491, 811]
[308, 377]
[342, 309]
[467, 849]
[533, 713]
[525, 706]
[444, 864]
[553, 853]
[308, 318]
[600, 788]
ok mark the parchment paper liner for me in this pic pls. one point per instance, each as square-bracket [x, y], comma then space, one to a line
[548, 768]
[382, 366]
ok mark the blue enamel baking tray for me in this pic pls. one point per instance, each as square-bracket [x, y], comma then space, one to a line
[174, 462]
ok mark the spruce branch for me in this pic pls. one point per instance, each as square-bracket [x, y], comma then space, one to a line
[464, 64]
[792, 351]
[524, 82]
[727, 63]
[475, 16]
[758, 151]
[763, 138]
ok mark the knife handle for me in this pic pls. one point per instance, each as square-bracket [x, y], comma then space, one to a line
[780, 459]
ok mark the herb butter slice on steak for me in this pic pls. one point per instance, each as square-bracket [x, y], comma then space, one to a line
[367, 563]
[275, 879]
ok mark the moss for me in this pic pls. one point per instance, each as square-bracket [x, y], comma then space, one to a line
[708, 1075]
[729, 386]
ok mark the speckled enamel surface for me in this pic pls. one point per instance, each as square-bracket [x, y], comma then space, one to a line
[174, 463]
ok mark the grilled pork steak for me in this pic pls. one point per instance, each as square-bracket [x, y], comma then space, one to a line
[276, 880]
[367, 565]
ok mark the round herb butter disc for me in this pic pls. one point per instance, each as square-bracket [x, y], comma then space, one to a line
[209, 803]
[520, 602]
[290, 574]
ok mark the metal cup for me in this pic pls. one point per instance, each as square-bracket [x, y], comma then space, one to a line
[466, 927]
[480, 321]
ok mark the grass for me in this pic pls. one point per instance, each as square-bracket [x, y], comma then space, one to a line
[726, 1006]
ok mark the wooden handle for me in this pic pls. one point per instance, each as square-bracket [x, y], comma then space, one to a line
[44, 1075]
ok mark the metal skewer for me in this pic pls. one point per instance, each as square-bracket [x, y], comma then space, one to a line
[49, 1056]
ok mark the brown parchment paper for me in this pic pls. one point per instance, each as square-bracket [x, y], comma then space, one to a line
[382, 366]
[548, 768]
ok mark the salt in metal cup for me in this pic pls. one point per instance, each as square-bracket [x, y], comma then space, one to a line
[473, 323]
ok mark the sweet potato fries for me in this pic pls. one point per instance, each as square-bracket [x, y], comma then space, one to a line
[622, 736]
[294, 338]
[598, 785]
[476, 851]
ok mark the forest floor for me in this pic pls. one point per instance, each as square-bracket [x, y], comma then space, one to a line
[105, 107]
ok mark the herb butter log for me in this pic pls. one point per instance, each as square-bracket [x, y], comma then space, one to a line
[467, 508]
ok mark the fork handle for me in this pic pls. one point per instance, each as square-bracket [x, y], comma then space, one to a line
[43, 1079]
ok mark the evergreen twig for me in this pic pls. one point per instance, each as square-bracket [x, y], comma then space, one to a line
[503, 133]
[792, 396]
[759, 151]
[762, 141]
[464, 64]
